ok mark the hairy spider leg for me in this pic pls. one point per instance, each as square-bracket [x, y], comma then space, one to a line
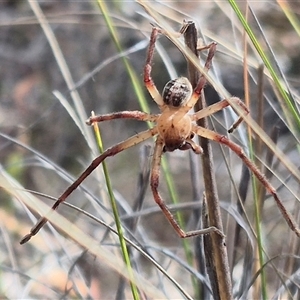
[206, 133]
[148, 81]
[132, 141]
[135, 114]
[207, 111]
[154, 183]
[202, 80]
[220, 105]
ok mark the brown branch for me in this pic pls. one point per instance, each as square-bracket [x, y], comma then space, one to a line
[218, 251]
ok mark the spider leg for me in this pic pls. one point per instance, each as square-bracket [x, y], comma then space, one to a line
[154, 182]
[132, 141]
[206, 133]
[148, 81]
[202, 80]
[137, 115]
[207, 111]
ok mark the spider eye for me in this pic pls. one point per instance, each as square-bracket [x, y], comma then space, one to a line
[177, 92]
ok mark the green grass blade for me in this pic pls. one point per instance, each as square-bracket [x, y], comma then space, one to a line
[290, 105]
[290, 15]
[133, 77]
[123, 245]
[138, 89]
[259, 234]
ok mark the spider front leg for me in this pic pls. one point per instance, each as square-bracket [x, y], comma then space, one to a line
[148, 81]
[206, 133]
[154, 182]
[202, 80]
[132, 141]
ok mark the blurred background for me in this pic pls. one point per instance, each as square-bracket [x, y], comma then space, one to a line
[43, 148]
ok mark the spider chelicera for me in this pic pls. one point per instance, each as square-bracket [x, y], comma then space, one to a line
[175, 128]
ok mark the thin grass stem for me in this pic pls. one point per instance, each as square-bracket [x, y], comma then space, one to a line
[123, 245]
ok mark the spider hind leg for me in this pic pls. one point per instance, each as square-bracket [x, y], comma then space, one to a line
[203, 132]
[154, 182]
[132, 141]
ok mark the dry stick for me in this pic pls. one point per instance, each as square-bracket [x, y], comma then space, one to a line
[202, 257]
[211, 269]
[219, 251]
[203, 290]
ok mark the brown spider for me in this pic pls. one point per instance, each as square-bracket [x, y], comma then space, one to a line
[174, 129]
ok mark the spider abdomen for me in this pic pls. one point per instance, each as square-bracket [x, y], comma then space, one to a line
[177, 92]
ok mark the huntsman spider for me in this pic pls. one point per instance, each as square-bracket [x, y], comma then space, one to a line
[174, 129]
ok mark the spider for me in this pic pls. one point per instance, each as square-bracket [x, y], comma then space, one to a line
[175, 128]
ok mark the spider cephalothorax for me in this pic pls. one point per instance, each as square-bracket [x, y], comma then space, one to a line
[174, 126]
[174, 129]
